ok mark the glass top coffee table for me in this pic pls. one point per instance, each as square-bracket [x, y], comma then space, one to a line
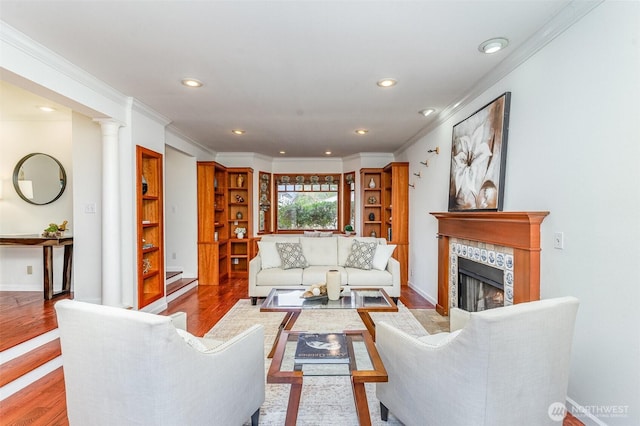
[363, 300]
[364, 366]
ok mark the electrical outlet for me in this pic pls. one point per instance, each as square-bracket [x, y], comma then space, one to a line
[558, 240]
[29, 270]
[173, 256]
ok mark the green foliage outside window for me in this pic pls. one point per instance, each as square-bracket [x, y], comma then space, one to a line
[308, 210]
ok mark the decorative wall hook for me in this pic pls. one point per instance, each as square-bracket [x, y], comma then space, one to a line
[412, 185]
[436, 150]
[417, 174]
[425, 162]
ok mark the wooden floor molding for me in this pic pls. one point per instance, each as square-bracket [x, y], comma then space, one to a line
[20, 366]
[43, 403]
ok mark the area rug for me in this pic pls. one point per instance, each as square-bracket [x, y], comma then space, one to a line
[431, 320]
[325, 400]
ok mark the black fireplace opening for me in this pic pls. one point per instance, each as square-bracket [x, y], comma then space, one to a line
[480, 286]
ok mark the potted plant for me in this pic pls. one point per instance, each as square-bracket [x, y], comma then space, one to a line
[348, 230]
[240, 232]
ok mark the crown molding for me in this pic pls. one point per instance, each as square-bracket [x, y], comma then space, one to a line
[555, 26]
[145, 110]
[49, 59]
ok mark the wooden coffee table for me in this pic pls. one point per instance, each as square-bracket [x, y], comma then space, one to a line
[363, 300]
[365, 366]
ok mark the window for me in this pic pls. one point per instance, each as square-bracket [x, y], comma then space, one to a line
[349, 200]
[307, 202]
[264, 197]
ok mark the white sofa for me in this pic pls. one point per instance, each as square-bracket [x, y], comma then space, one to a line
[322, 255]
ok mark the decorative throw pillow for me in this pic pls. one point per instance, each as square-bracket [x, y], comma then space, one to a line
[361, 255]
[382, 255]
[291, 255]
[269, 254]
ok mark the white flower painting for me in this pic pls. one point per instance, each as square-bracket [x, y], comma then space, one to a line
[478, 156]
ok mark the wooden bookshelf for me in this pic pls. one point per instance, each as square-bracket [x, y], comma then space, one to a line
[150, 226]
[213, 230]
[385, 209]
[395, 225]
[371, 196]
[239, 211]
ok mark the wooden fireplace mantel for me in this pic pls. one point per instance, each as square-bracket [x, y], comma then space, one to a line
[519, 230]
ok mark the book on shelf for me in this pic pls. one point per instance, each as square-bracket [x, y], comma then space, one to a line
[322, 348]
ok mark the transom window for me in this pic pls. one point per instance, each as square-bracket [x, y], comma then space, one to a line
[308, 202]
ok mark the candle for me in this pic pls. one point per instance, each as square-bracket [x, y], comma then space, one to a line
[333, 284]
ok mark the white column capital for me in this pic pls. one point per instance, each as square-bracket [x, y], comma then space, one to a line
[109, 126]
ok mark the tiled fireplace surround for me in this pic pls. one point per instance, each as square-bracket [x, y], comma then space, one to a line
[513, 238]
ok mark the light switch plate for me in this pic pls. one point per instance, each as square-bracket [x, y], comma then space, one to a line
[558, 240]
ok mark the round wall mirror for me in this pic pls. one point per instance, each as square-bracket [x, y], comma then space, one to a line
[39, 179]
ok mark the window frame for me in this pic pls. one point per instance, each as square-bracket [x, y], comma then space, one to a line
[294, 179]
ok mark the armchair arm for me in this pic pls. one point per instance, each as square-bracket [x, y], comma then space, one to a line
[255, 265]
[179, 320]
[393, 266]
[458, 318]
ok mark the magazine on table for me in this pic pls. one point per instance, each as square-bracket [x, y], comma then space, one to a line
[322, 348]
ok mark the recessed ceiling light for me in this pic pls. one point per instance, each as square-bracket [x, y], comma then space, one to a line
[387, 82]
[238, 132]
[327, 152]
[427, 112]
[46, 108]
[283, 152]
[362, 131]
[493, 45]
[191, 82]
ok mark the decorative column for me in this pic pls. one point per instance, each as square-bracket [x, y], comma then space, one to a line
[111, 229]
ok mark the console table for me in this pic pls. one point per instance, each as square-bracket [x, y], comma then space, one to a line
[47, 245]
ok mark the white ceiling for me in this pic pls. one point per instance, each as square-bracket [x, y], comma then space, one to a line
[298, 76]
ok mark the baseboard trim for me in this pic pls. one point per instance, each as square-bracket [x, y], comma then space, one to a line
[583, 414]
[422, 293]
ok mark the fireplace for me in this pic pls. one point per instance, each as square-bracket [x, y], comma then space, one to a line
[506, 241]
[480, 287]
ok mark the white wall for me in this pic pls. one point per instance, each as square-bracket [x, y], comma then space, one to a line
[87, 254]
[19, 138]
[573, 150]
[181, 206]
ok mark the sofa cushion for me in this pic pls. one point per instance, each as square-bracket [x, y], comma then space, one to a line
[318, 274]
[269, 255]
[320, 251]
[344, 246]
[291, 255]
[382, 255]
[361, 255]
[370, 278]
[278, 277]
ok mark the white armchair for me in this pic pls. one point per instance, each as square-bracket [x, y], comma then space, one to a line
[134, 368]
[506, 366]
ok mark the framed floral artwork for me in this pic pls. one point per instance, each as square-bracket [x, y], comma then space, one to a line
[478, 158]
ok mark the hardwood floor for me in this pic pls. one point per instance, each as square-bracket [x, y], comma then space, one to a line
[43, 403]
[25, 315]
